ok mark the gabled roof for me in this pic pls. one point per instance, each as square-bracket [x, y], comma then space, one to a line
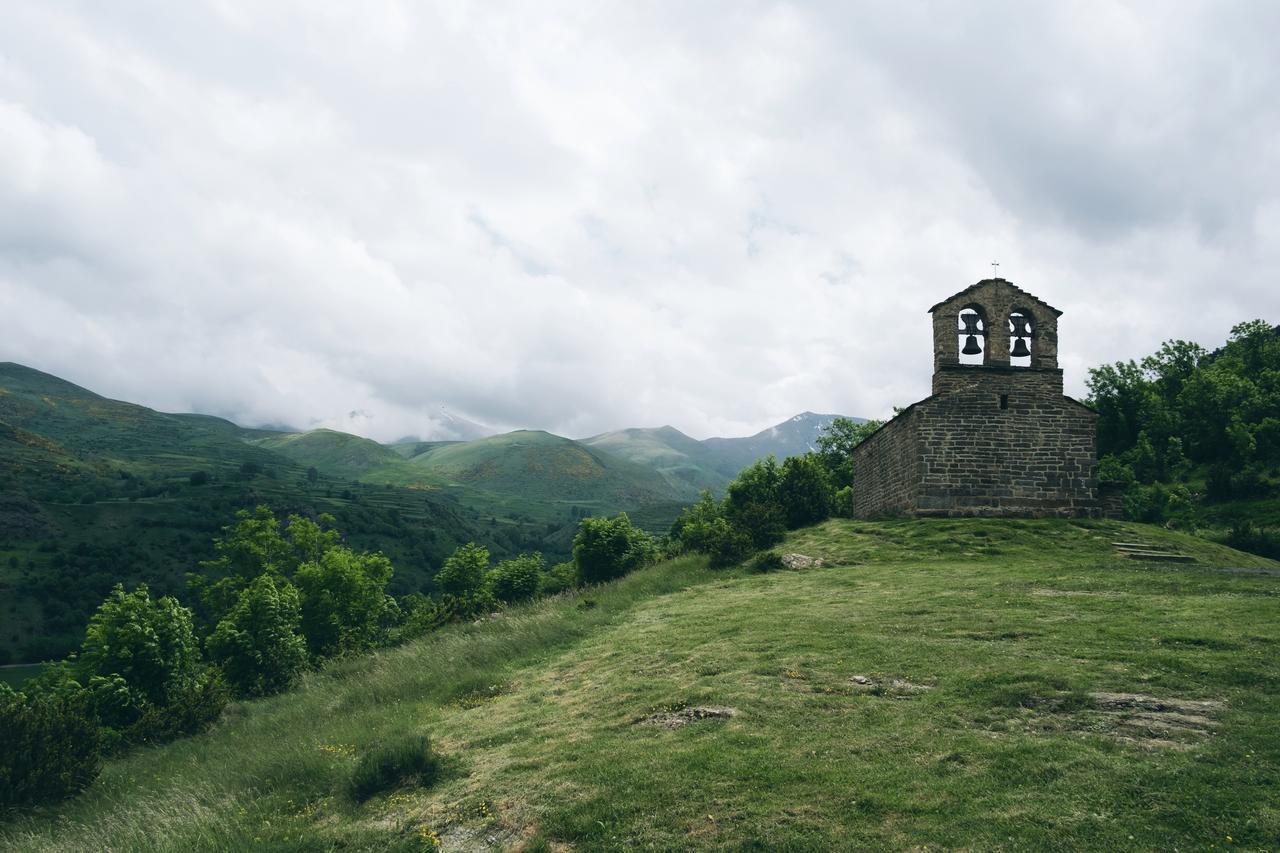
[999, 281]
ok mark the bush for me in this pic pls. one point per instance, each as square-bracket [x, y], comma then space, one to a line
[257, 644]
[763, 523]
[608, 548]
[842, 504]
[150, 644]
[464, 572]
[407, 761]
[804, 491]
[516, 580]
[726, 544]
[49, 746]
[1245, 536]
[557, 579]
[769, 561]
[192, 711]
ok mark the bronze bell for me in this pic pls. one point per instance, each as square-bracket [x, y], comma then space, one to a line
[1020, 348]
[971, 346]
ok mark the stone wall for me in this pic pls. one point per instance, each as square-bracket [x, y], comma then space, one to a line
[1005, 442]
[886, 470]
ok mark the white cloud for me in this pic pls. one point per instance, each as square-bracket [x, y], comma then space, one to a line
[585, 216]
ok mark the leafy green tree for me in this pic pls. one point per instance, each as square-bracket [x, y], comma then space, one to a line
[516, 580]
[608, 548]
[804, 491]
[463, 573]
[257, 644]
[343, 599]
[253, 545]
[836, 442]
[692, 527]
[755, 484]
[149, 643]
[1125, 400]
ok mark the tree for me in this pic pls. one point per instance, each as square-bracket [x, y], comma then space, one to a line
[313, 475]
[257, 644]
[253, 545]
[804, 491]
[343, 600]
[836, 442]
[692, 527]
[463, 573]
[608, 548]
[516, 580]
[150, 644]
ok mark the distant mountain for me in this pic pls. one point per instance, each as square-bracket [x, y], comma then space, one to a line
[338, 453]
[792, 437]
[683, 462]
[690, 464]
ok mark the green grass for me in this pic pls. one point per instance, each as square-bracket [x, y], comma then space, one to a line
[929, 685]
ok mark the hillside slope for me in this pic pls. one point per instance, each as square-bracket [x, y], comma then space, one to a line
[536, 463]
[944, 684]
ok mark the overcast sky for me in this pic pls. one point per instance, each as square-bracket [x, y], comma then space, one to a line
[586, 216]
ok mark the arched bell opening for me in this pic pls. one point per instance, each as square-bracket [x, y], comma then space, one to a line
[972, 340]
[1021, 337]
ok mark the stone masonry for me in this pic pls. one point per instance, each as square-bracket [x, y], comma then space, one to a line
[995, 437]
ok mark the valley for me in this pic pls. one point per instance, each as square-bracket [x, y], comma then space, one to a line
[95, 492]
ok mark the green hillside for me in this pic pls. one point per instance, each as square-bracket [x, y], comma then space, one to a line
[339, 454]
[547, 466]
[967, 684]
[94, 492]
[686, 463]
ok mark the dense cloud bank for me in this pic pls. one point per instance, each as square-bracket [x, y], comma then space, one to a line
[584, 216]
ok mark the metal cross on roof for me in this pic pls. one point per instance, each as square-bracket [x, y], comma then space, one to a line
[994, 269]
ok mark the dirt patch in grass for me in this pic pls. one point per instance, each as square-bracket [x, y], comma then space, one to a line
[894, 688]
[681, 715]
[1149, 722]
[1157, 723]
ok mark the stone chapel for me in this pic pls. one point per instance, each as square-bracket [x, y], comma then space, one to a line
[997, 436]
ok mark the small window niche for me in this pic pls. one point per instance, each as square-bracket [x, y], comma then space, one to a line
[972, 341]
[1021, 337]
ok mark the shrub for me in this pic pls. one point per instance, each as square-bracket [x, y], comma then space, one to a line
[342, 600]
[1245, 536]
[842, 504]
[608, 548]
[763, 523]
[726, 544]
[49, 746]
[464, 572]
[557, 579]
[407, 761]
[804, 491]
[197, 707]
[150, 644]
[516, 580]
[769, 561]
[257, 644]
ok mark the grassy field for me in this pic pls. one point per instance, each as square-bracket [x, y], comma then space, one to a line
[988, 685]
